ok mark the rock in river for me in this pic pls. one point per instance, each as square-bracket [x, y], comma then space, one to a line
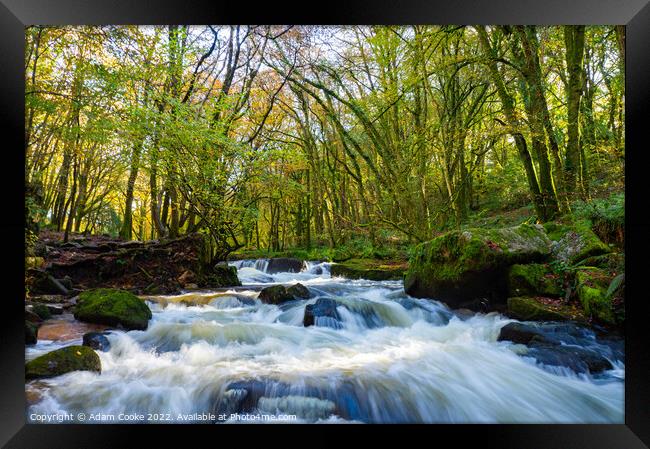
[97, 340]
[284, 265]
[278, 294]
[113, 308]
[64, 360]
[322, 313]
[469, 268]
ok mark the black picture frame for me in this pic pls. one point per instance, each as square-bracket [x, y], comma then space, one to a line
[635, 14]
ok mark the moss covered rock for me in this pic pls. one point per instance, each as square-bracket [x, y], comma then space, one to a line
[534, 279]
[64, 360]
[42, 311]
[469, 268]
[299, 291]
[375, 270]
[113, 308]
[591, 288]
[528, 308]
[222, 275]
[278, 294]
[611, 262]
[573, 243]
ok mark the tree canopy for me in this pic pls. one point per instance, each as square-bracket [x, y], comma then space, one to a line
[298, 136]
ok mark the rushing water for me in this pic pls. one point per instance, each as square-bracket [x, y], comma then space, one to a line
[392, 359]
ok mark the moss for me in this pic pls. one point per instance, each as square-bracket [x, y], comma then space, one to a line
[113, 308]
[573, 243]
[591, 288]
[376, 270]
[64, 360]
[222, 275]
[528, 308]
[613, 263]
[42, 311]
[466, 265]
[533, 279]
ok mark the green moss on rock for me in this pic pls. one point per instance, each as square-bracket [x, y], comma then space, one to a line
[113, 308]
[613, 263]
[64, 360]
[460, 267]
[222, 275]
[591, 288]
[533, 279]
[573, 243]
[527, 308]
[42, 311]
[375, 270]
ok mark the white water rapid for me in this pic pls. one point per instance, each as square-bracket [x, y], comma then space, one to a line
[393, 359]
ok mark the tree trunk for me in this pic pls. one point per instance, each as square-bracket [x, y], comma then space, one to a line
[574, 38]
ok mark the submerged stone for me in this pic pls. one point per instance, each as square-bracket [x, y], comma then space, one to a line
[562, 345]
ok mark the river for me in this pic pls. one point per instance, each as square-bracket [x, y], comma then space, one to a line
[389, 359]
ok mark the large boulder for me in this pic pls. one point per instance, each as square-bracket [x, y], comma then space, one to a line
[534, 279]
[322, 313]
[591, 289]
[530, 308]
[573, 243]
[375, 270]
[284, 265]
[64, 360]
[113, 308]
[468, 269]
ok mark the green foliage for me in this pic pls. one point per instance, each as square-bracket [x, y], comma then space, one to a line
[615, 285]
[606, 215]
